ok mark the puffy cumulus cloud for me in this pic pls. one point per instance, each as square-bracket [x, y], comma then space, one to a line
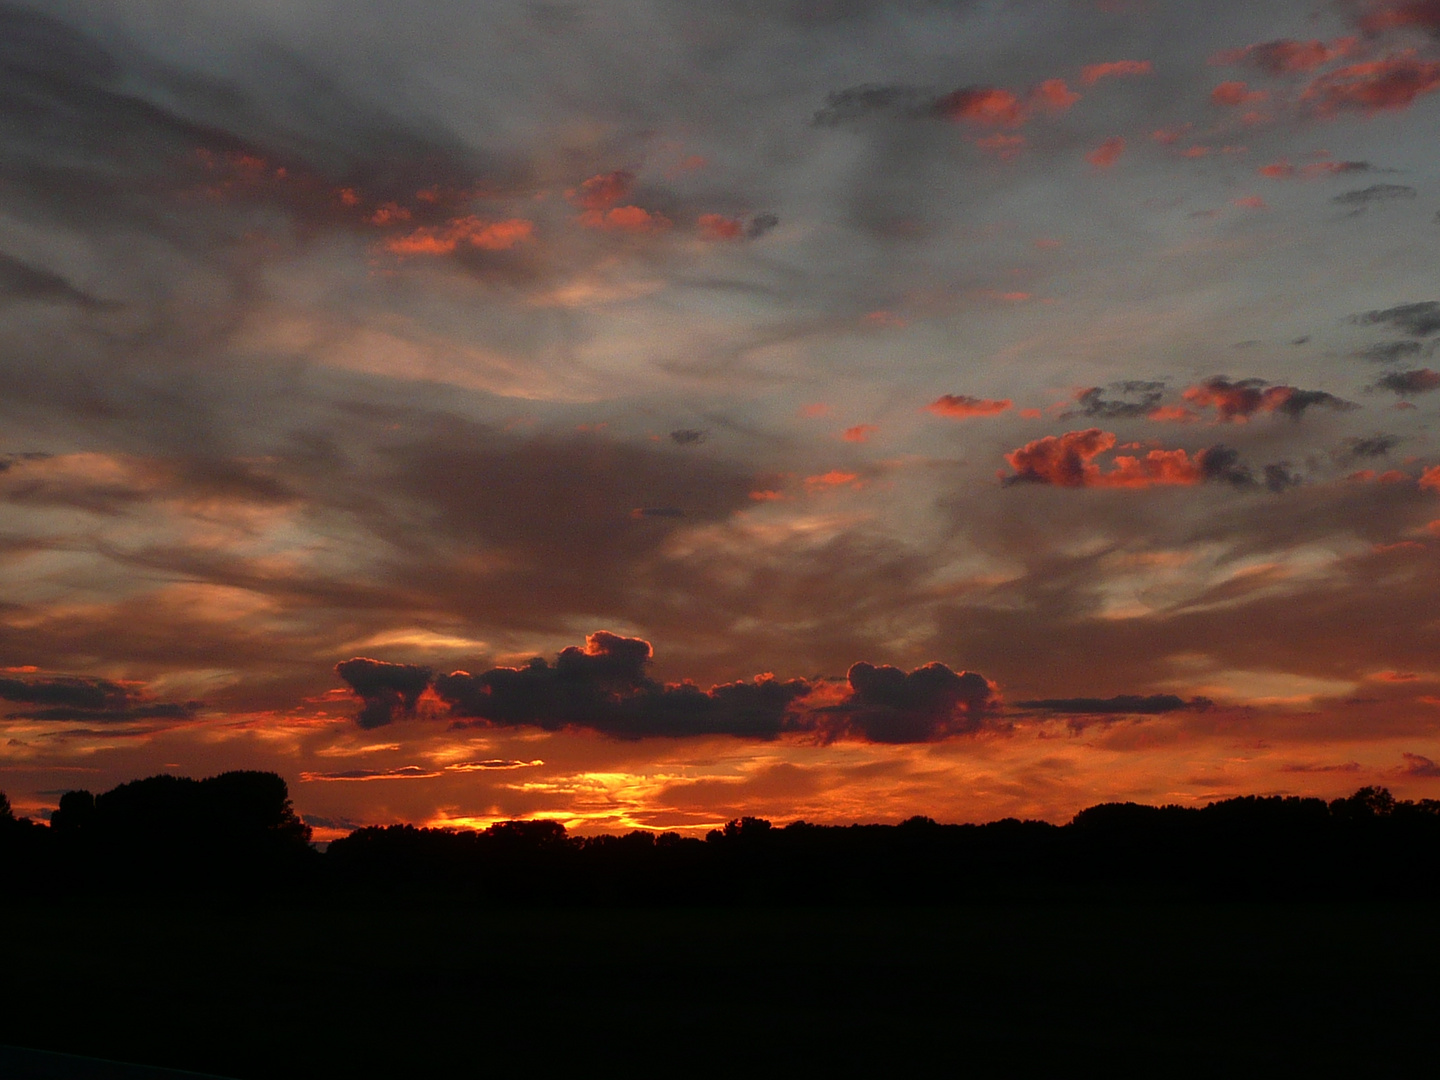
[1107, 153]
[386, 689]
[605, 687]
[963, 407]
[1287, 56]
[1420, 319]
[1406, 383]
[1090, 74]
[469, 230]
[1394, 82]
[1069, 460]
[888, 705]
[77, 698]
[1243, 398]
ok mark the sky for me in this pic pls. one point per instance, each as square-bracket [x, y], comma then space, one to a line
[649, 413]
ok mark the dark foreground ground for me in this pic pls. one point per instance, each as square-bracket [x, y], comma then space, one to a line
[444, 989]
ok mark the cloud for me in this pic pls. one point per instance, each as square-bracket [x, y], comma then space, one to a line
[720, 227]
[1090, 74]
[21, 281]
[1406, 383]
[602, 190]
[859, 433]
[1242, 398]
[983, 106]
[71, 698]
[404, 772]
[890, 100]
[1122, 704]
[687, 437]
[1387, 352]
[1402, 14]
[473, 231]
[1283, 170]
[1373, 194]
[1419, 766]
[1235, 95]
[1092, 402]
[963, 407]
[633, 219]
[1107, 153]
[888, 705]
[386, 689]
[605, 687]
[761, 224]
[1419, 319]
[1286, 56]
[1377, 445]
[1394, 82]
[1069, 461]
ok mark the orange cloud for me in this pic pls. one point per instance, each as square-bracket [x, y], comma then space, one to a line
[832, 479]
[602, 190]
[1093, 73]
[1285, 56]
[886, 318]
[625, 219]
[1053, 96]
[1107, 153]
[983, 105]
[1430, 478]
[1392, 83]
[1250, 202]
[860, 432]
[962, 407]
[1235, 94]
[1370, 476]
[389, 214]
[488, 235]
[1069, 461]
[719, 227]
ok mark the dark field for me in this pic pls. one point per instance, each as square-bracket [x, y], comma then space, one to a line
[449, 989]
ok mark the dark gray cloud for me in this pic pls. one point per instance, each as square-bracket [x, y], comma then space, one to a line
[1375, 193]
[73, 698]
[1120, 705]
[1406, 383]
[1373, 446]
[1419, 319]
[889, 705]
[893, 100]
[1388, 352]
[1138, 397]
[687, 437]
[386, 689]
[605, 687]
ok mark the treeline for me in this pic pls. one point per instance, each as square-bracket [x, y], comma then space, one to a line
[237, 831]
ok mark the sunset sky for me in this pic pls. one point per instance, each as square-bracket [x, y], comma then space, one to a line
[647, 413]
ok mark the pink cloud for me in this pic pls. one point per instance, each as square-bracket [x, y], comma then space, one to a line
[1235, 94]
[962, 406]
[1107, 153]
[1093, 73]
[487, 235]
[1374, 86]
